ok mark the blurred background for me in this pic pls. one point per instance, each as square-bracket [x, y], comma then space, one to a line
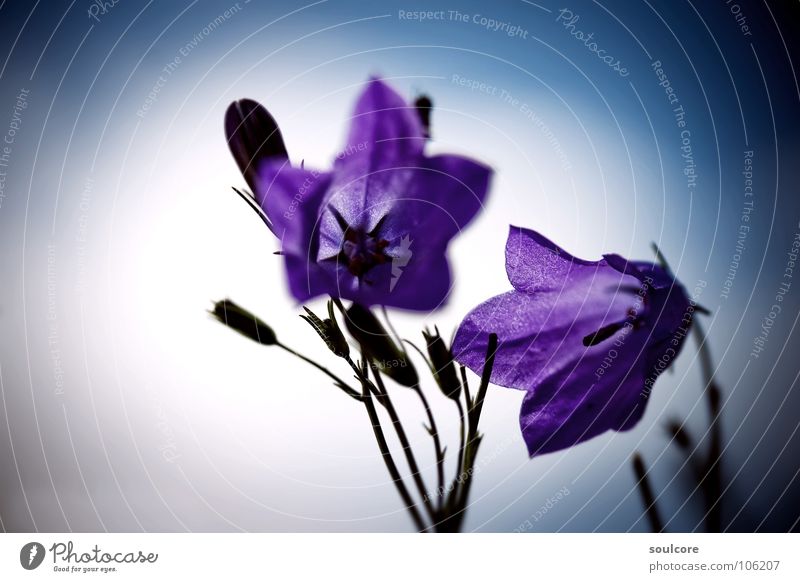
[125, 407]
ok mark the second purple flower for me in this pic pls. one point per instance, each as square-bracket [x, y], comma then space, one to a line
[585, 340]
[375, 228]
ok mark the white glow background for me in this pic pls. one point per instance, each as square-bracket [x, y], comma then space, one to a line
[125, 407]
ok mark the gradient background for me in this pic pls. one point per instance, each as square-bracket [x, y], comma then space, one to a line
[126, 408]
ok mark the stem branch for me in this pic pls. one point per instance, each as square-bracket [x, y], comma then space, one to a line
[339, 382]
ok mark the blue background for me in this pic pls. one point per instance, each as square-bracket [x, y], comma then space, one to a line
[125, 408]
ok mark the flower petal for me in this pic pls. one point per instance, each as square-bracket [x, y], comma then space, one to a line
[544, 330]
[446, 192]
[385, 130]
[534, 263]
[385, 139]
[290, 197]
[307, 279]
[577, 403]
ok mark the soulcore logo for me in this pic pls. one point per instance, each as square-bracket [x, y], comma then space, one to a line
[32, 555]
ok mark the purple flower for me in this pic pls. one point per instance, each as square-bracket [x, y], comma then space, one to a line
[376, 227]
[586, 340]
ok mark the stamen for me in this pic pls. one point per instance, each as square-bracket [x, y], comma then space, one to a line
[603, 334]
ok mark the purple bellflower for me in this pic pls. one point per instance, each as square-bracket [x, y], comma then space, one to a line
[585, 340]
[375, 228]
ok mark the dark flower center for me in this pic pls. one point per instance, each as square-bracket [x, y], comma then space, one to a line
[362, 250]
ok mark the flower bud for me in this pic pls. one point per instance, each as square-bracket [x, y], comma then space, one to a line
[239, 319]
[444, 371]
[424, 105]
[329, 331]
[253, 136]
[378, 347]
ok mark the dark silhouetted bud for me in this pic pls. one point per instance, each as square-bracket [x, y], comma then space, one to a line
[239, 319]
[378, 347]
[253, 136]
[424, 106]
[679, 435]
[444, 371]
[329, 331]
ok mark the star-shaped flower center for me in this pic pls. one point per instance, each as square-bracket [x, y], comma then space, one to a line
[361, 250]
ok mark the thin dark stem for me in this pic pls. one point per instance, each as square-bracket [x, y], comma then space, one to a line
[455, 494]
[421, 354]
[434, 430]
[475, 412]
[416, 474]
[338, 381]
[704, 353]
[474, 417]
[711, 482]
[462, 436]
[710, 479]
[465, 387]
[437, 443]
[454, 509]
[649, 500]
[389, 461]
